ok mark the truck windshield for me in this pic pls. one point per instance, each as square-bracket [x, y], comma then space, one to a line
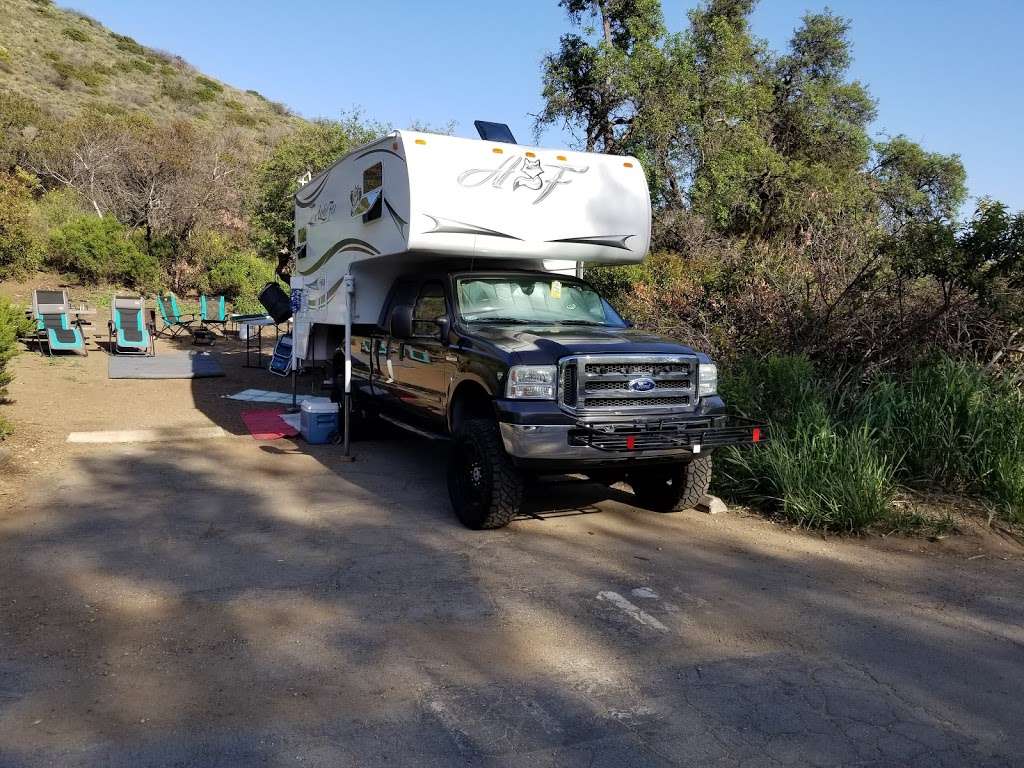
[535, 300]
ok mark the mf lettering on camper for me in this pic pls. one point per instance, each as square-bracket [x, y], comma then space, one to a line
[516, 173]
[325, 211]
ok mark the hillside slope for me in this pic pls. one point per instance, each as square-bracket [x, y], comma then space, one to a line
[65, 61]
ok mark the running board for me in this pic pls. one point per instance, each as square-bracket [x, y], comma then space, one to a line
[411, 428]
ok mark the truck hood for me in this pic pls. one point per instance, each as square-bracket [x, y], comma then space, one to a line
[547, 344]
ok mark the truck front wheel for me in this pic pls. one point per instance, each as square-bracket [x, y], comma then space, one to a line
[672, 487]
[484, 486]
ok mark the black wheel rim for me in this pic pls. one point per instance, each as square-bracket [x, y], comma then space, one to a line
[470, 479]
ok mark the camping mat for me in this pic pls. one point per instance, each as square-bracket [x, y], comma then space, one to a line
[268, 424]
[166, 365]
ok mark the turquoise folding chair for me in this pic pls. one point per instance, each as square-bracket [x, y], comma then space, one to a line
[213, 311]
[127, 327]
[51, 310]
[175, 323]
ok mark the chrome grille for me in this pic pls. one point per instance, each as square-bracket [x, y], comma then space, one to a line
[601, 384]
[636, 369]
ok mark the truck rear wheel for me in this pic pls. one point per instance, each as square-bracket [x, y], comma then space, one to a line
[484, 486]
[672, 487]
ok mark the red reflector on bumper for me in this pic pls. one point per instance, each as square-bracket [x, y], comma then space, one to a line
[756, 435]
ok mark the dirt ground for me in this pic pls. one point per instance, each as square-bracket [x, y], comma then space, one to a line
[232, 602]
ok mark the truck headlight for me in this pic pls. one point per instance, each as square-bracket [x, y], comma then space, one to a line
[707, 379]
[532, 382]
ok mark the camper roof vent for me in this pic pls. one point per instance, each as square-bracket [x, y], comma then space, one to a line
[494, 131]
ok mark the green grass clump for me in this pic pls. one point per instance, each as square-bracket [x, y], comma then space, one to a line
[839, 455]
[73, 33]
[955, 426]
[817, 471]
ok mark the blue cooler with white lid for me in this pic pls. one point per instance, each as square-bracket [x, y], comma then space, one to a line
[318, 420]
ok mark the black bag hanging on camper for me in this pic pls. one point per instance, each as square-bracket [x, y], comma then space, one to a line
[276, 302]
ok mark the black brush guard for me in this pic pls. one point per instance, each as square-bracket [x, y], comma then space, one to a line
[668, 434]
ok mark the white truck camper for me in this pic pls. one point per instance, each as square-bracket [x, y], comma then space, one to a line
[413, 197]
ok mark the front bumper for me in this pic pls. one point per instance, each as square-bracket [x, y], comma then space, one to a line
[627, 441]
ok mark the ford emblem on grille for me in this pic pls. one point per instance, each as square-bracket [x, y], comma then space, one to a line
[643, 384]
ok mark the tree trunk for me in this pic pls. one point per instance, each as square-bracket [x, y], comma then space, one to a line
[607, 134]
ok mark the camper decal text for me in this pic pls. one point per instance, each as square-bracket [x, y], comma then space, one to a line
[325, 211]
[522, 172]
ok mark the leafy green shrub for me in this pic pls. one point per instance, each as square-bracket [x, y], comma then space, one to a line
[91, 75]
[176, 90]
[128, 44]
[73, 33]
[209, 84]
[243, 119]
[135, 65]
[13, 324]
[953, 425]
[85, 17]
[816, 471]
[98, 249]
[208, 89]
[240, 277]
[19, 242]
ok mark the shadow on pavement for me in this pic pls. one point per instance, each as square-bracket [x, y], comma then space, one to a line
[223, 603]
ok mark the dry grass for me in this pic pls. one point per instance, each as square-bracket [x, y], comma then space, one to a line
[65, 61]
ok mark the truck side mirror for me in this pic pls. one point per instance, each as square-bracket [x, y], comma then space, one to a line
[400, 325]
[444, 325]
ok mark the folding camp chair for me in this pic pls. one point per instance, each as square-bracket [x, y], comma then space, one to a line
[129, 332]
[175, 323]
[51, 310]
[213, 311]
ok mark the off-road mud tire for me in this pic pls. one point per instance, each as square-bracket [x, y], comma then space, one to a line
[672, 487]
[484, 486]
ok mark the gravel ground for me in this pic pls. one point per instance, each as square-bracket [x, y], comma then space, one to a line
[229, 602]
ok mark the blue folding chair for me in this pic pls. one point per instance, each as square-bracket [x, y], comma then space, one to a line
[127, 327]
[51, 310]
[175, 322]
[213, 311]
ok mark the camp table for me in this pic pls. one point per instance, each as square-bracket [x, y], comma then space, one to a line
[254, 327]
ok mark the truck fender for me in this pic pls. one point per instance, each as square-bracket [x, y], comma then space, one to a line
[468, 395]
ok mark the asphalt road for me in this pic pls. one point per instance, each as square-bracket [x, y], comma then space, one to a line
[232, 603]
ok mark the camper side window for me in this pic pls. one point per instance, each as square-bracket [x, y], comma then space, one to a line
[429, 306]
[373, 181]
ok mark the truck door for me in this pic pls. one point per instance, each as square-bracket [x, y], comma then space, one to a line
[423, 372]
[387, 350]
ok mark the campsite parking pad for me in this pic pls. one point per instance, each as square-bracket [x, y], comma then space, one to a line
[228, 602]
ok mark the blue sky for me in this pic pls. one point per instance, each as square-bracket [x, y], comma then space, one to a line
[946, 73]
